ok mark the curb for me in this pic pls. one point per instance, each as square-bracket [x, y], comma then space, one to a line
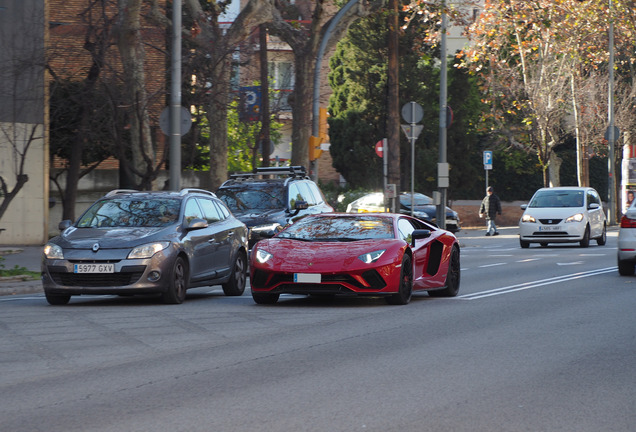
[14, 287]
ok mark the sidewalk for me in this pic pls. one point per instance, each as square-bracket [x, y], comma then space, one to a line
[22, 256]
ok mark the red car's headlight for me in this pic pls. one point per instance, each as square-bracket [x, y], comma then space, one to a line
[371, 257]
[263, 256]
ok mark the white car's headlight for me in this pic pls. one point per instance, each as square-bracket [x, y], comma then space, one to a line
[575, 218]
[262, 256]
[528, 218]
[53, 251]
[147, 250]
[268, 227]
[371, 257]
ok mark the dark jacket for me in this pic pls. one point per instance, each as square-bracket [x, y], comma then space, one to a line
[490, 206]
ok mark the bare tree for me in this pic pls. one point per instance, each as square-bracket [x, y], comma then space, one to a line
[131, 49]
[22, 90]
[219, 42]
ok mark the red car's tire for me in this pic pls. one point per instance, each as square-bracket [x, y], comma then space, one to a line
[403, 296]
[453, 277]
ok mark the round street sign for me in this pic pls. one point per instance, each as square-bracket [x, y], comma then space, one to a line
[379, 149]
[185, 122]
[412, 112]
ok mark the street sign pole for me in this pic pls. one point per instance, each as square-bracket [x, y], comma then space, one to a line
[442, 183]
[487, 164]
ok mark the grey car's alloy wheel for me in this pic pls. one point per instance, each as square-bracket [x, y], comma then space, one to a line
[403, 296]
[176, 291]
[235, 286]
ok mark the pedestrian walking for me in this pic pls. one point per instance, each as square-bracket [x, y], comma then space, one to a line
[490, 208]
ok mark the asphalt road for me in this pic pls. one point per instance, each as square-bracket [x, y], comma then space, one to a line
[540, 339]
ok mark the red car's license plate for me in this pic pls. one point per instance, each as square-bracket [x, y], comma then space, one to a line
[307, 277]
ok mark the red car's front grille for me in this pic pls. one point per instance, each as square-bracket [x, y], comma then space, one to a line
[285, 281]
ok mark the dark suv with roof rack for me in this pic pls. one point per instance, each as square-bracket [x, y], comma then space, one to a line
[269, 198]
[131, 242]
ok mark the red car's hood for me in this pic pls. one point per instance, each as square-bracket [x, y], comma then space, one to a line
[297, 256]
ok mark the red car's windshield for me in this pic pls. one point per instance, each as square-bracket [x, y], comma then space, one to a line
[338, 228]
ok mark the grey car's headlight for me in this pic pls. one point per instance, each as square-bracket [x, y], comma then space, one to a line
[575, 218]
[371, 257]
[262, 256]
[147, 250]
[53, 251]
[528, 218]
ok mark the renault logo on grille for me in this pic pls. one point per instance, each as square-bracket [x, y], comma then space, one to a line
[95, 247]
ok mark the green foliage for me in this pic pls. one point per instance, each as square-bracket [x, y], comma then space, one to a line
[242, 137]
[17, 271]
[359, 112]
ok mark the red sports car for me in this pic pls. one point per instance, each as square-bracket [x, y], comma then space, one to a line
[371, 254]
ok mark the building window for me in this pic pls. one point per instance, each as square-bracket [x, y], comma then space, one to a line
[281, 75]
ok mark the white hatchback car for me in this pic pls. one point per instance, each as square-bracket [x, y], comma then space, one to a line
[563, 215]
[627, 242]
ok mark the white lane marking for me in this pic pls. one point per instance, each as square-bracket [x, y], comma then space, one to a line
[492, 265]
[570, 263]
[535, 284]
[528, 260]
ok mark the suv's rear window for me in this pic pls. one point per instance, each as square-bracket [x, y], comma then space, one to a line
[265, 197]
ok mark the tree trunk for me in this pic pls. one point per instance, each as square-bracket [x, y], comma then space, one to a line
[554, 168]
[302, 99]
[264, 136]
[217, 118]
[132, 55]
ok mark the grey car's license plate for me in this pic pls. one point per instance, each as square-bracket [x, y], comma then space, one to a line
[94, 268]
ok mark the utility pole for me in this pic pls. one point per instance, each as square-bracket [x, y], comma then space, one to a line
[175, 99]
[442, 166]
[393, 108]
[611, 138]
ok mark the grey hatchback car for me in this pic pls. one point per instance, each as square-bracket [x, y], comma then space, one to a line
[131, 242]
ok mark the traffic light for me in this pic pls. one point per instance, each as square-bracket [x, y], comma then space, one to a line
[314, 147]
[322, 124]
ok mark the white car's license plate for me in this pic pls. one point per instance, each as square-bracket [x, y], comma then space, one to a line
[549, 228]
[307, 277]
[94, 268]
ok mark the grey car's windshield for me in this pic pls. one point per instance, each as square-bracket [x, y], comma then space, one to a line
[333, 228]
[131, 213]
[265, 198]
[557, 199]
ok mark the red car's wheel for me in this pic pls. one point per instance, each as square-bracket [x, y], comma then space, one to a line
[452, 277]
[403, 295]
[265, 298]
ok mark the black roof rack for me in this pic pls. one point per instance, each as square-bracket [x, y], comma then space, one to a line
[185, 191]
[120, 191]
[296, 171]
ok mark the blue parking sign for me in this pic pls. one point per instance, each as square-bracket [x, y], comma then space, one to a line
[488, 159]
